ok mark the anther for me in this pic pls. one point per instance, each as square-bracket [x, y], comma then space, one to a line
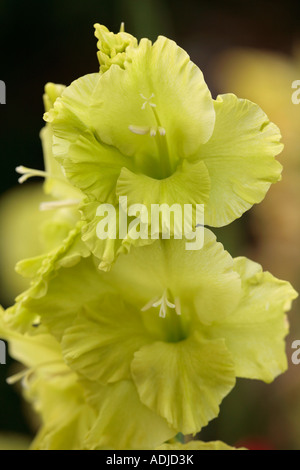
[29, 173]
[139, 130]
[147, 101]
[162, 131]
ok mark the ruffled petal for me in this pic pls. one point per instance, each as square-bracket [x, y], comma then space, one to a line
[112, 240]
[114, 331]
[240, 159]
[56, 183]
[123, 422]
[208, 290]
[69, 116]
[29, 303]
[184, 382]
[160, 91]
[94, 167]
[254, 333]
[188, 185]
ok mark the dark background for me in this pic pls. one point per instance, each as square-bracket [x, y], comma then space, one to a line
[54, 40]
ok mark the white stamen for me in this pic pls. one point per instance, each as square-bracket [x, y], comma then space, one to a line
[163, 303]
[152, 132]
[16, 377]
[50, 205]
[25, 375]
[29, 173]
[139, 130]
[147, 101]
[162, 131]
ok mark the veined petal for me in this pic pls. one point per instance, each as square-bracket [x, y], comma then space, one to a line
[94, 167]
[114, 331]
[240, 159]
[23, 313]
[70, 117]
[160, 87]
[59, 399]
[32, 351]
[123, 421]
[106, 249]
[205, 289]
[184, 382]
[254, 333]
[190, 184]
[73, 420]
[110, 246]
[56, 183]
[52, 388]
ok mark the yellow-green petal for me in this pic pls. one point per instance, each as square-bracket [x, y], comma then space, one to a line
[254, 333]
[207, 290]
[94, 167]
[189, 184]
[240, 159]
[160, 88]
[123, 422]
[102, 341]
[69, 116]
[56, 183]
[184, 382]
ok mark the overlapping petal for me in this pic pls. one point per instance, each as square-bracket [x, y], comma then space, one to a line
[107, 356]
[255, 331]
[52, 388]
[212, 290]
[123, 421]
[184, 382]
[56, 183]
[239, 158]
[160, 87]
[188, 185]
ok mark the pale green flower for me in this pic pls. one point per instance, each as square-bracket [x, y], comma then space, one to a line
[127, 359]
[71, 418]
[148, 129]
[51, 387]
[176, 326]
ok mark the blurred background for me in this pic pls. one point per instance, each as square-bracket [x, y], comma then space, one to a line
[249, 48]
